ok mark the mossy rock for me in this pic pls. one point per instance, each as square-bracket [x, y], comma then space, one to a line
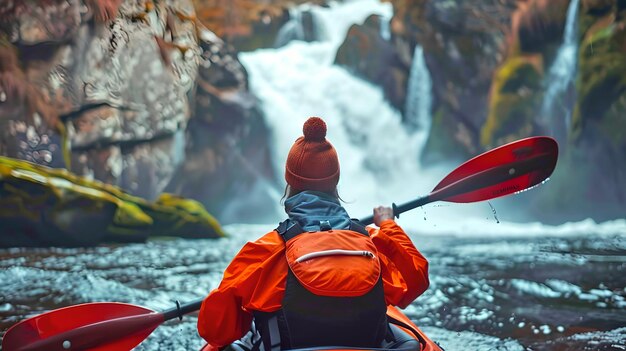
[515, 97]
[440, 146]
[181, 217]
[41, 206]
[601, 80]
[539, 24]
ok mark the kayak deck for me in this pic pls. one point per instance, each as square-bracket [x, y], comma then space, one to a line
[396, 318]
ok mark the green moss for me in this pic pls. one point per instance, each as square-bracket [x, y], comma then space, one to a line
[177, 216]
[613, 124]
[513, 101]
[602, 75]
[440, 146]
[71, 206]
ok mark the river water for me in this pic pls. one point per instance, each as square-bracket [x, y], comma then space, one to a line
[562, 291]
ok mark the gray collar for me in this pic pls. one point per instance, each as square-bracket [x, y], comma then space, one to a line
[308, 208]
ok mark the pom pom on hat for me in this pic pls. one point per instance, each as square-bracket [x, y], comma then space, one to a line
[314, 129]
[312, 163]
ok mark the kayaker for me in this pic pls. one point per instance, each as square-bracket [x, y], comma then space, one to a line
[320, 278]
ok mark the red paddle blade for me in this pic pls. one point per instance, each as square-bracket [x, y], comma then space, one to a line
[502, 171]
[100, 326]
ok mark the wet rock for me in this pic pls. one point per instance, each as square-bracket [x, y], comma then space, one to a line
[28, 116]
[366, 53]
[115, 72]
[462, 44]
[515, 97]
[538, 27]
[42, 206]
[598, 119]
[249, 25]
[31, 22]
[227, 153]
[35, 143]
[299, 25]
[593, 139]
[518, 88]
[111, 85]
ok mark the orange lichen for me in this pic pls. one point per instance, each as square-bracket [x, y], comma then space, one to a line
[104, 10]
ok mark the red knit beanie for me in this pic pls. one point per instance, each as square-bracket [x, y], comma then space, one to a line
[312, 163]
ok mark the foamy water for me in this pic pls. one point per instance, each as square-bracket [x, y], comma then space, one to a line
[493, 293]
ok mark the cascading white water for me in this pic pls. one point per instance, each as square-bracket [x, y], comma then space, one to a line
[561, 75]
[291, 30]
[377, 153]
[300, 80]
[419, 99]
[385, 30]
[295, 29]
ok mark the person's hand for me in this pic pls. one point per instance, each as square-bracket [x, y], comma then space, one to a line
[382, 213]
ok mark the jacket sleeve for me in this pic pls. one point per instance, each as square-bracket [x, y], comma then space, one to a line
[254, 280]
[404, 269]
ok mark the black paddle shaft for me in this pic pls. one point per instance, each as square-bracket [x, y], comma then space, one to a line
[400, 209]
[181, 310]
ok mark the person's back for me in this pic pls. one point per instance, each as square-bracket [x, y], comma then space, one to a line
[334, 292]
[320, 278]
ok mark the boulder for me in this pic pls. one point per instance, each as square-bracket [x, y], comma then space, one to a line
[227, 166]
[115, 73]
[248, 25]
[594, 151]
[598, 138]
[368, 55]
[41, 206]
[515, 97]
[463, 45]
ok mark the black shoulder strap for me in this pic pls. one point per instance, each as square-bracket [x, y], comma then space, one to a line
[289, 229]
[356, 226]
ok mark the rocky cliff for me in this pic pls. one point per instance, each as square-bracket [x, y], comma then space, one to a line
[492, 65]
[134, 93]
[140, 94]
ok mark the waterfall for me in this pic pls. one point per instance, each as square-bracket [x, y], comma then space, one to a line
[292, 30]
[560, 76]
[419, 99]
[302, 25]
[376, 152]
[385, 30]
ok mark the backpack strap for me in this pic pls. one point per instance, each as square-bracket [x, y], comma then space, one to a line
[268, 329]
[289, 229]
[356, 226]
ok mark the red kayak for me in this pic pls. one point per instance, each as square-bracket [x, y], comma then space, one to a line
[415, 339]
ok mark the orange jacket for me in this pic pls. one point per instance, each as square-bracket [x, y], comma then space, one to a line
[255, 281]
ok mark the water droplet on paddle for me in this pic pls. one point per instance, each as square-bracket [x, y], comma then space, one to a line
[493, 209]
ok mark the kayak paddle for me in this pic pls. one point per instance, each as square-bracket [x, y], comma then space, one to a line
[111, 326]
[507, 169]
[97, 326]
